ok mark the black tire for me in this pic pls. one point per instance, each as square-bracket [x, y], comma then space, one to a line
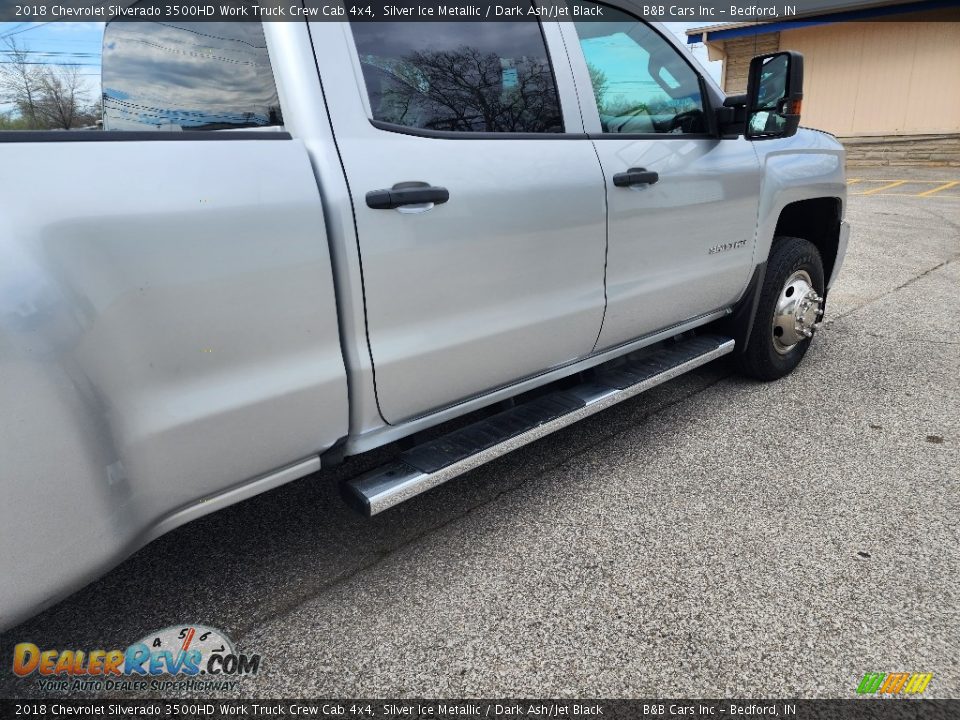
[761, 359]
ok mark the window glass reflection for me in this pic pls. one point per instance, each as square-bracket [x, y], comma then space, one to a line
[641, 83]
[187, 76]
[459, 76]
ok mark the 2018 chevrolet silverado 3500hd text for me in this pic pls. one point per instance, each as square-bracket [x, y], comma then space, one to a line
[312, 239]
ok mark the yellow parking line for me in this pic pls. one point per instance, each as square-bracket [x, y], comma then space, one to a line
[853, 181]
[931, 197]
[896, 183]
[890, 180]
[935, 190]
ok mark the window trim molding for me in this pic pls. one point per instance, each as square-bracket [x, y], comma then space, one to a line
[47, 136]
[652, 136]
[473, 135]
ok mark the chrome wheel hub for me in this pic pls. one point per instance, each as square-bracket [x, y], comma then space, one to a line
[799, 309]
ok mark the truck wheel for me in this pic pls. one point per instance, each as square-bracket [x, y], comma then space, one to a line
[790, 306]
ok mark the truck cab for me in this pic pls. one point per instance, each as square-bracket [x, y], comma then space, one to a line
[293, 242]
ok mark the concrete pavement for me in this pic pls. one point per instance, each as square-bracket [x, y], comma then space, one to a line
[713, 537]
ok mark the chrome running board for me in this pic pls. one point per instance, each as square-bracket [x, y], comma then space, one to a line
[434, 462]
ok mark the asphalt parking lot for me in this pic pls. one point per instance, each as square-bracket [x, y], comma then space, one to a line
[714, 537]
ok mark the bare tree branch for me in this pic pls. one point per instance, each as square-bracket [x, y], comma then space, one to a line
[60, 97]
[20, 81]
[45, 96]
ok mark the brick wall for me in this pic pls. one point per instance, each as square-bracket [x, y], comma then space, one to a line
[740, 51]
[923, 150]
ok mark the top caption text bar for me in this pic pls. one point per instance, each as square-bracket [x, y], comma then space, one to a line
[709, 12]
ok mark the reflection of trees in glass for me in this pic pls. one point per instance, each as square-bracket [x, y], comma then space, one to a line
[623, 107]
[598, 78]
[661, 108]
[125, 113]
[465, 90]
[617, 106]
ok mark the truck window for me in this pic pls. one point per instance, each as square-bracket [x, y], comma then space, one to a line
[59, 76]
[187, 76]
[459, 76]
[641, 84]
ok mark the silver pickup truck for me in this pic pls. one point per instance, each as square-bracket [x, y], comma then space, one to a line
[292, 242]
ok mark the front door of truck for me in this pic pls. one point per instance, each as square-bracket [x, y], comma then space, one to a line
[479, 204]
[682, 204]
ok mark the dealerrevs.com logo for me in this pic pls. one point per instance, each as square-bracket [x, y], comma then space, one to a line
[192, 657]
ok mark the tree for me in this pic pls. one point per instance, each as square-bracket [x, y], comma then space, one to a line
[45, 96]
[8, 121]
[20, 82]
[598, 78]
[61, 94]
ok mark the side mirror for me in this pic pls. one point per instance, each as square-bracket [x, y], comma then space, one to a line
[774, 92]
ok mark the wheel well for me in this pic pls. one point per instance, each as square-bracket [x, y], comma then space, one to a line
[816, 220]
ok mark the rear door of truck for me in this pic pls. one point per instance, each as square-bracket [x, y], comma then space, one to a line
[478, 200]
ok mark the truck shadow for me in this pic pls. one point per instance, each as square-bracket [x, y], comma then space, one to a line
[259, 559]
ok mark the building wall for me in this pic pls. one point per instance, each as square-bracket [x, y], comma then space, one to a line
[918, 150]
[868, 78]
[880, 78]
[739, 52]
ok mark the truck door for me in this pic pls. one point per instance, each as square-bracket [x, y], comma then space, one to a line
[682, 203]
[168, 326]
[479, 203]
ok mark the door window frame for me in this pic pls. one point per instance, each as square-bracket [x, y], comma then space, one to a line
[563, 79]
[588, 106]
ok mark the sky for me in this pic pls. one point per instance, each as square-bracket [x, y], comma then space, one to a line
[699, 50]
[79, 43]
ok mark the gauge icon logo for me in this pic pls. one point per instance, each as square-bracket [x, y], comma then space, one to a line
[188, 650]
